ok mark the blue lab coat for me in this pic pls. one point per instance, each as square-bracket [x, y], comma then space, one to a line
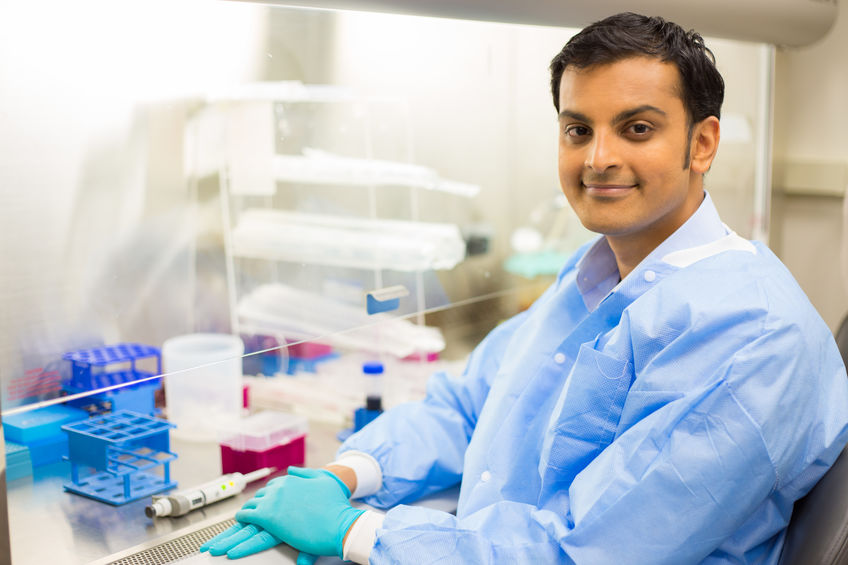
[675, 423]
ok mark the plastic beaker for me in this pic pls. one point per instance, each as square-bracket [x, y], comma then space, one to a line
[203, 383]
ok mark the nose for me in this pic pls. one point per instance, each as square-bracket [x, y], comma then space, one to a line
[601, 153]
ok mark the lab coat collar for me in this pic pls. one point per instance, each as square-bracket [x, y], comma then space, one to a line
[597, 271]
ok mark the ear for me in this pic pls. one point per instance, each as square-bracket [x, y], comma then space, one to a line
[705, 137]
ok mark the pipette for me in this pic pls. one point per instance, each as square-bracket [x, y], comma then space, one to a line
[185, 501]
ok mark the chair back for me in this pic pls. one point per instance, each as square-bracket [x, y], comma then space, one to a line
[818, 530]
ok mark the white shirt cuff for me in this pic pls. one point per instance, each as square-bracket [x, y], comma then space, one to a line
[362, 536]
[369, 474]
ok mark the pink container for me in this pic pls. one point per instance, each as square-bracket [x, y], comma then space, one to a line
[267, 439]
[308, 350]
[280, 457]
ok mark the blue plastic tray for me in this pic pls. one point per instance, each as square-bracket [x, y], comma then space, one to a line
[39, 424]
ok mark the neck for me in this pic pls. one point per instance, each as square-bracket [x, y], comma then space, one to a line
[630, 249]
[626, 258]
[628, 255]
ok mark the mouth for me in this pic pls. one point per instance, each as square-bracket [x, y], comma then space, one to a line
[608, 190]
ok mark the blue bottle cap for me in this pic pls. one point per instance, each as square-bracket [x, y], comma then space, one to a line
[372, 368]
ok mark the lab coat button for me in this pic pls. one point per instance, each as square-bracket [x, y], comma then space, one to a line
[559, 358]
[650, 276]
[485, 476]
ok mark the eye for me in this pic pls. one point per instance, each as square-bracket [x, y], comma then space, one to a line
[639, 129]
[577, 132]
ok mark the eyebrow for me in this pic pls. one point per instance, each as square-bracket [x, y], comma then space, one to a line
[620, 117]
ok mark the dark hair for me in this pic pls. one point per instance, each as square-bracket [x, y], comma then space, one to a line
[632, 35]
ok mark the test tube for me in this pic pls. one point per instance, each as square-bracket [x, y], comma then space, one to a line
[373, 371]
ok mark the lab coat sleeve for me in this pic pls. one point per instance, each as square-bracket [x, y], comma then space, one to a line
[420, 446]
[670, 489]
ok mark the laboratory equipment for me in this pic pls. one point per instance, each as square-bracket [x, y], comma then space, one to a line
[18, 461]
[281, 309]
[266, 439]
[347, 242]
[111, 365]
[385, 299]
[263, 355]
[183, 502]
[305, 356]
[269, 356]
[373, 371]
[203, 386]
[41, 423]
[122, 448]
[322, 167]
[41, 432]
[364, 415]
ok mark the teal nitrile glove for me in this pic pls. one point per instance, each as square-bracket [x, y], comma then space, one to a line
[306, 559]
[308, 509]
[260, 541]
[240, 540]
[234, 529]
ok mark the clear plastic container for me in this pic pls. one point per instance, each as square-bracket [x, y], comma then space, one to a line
[203, 386]
[265, 430]
[347, 242]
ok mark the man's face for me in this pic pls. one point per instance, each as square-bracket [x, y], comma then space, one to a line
[623, 144]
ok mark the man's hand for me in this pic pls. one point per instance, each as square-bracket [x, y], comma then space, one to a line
[245, 539]
[240, 540]
[308, 509]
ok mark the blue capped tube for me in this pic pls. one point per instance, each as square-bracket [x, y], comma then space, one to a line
[373, 371]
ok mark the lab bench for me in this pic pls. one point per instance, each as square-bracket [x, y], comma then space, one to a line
[49, 525]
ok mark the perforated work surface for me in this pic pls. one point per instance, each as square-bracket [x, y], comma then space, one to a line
[175, 549]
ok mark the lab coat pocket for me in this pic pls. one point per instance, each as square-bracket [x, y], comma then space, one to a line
[587, 415]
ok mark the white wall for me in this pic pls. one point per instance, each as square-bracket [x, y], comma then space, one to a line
[811, 124]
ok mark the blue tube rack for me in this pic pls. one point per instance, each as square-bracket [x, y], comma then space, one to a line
[89, 371]
[121, 448]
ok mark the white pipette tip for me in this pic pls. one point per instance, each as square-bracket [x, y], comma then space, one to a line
[258, 474]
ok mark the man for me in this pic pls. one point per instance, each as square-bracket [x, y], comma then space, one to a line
[665, 401]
